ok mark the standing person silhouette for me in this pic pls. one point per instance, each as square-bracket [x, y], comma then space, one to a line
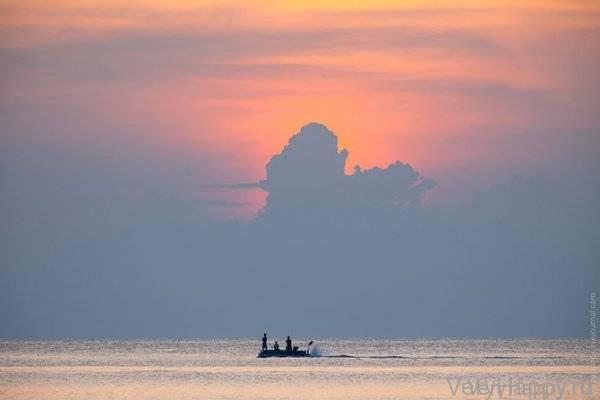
[264, 342]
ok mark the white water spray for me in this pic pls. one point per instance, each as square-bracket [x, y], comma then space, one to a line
[315, 351]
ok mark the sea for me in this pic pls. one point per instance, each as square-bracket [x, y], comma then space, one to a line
[339, 369]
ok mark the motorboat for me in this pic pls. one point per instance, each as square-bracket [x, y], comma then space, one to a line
[284, 353]
[295, 352]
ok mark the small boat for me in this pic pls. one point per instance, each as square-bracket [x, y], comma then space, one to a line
[295, 352]
[283, 353]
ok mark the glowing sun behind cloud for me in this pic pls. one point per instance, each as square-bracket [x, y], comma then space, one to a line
[449, 89]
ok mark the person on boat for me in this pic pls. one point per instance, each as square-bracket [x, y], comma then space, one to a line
[276, 346]
[288, 344]
[264, 342]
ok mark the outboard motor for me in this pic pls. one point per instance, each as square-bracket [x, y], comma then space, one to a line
[308, 347]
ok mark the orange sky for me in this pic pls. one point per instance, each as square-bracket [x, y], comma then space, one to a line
[458, 89]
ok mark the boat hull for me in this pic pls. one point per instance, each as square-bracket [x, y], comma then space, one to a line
[283, 353]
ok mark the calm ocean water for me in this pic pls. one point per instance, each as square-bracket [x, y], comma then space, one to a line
[347, 369]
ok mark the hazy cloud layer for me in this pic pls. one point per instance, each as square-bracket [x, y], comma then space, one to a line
[123, 128]
[101, 253]
[143, 56]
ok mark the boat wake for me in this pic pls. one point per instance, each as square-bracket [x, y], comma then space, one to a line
[359, 357]
[430, 357]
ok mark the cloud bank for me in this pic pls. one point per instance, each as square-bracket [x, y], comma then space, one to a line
[331, 254]
[307, 181]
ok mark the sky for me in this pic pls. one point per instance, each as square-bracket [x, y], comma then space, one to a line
[158, 135]
[468, 92]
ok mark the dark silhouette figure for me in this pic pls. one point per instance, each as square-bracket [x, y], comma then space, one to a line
[264, 342]
[288, 344]
[276, 346]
